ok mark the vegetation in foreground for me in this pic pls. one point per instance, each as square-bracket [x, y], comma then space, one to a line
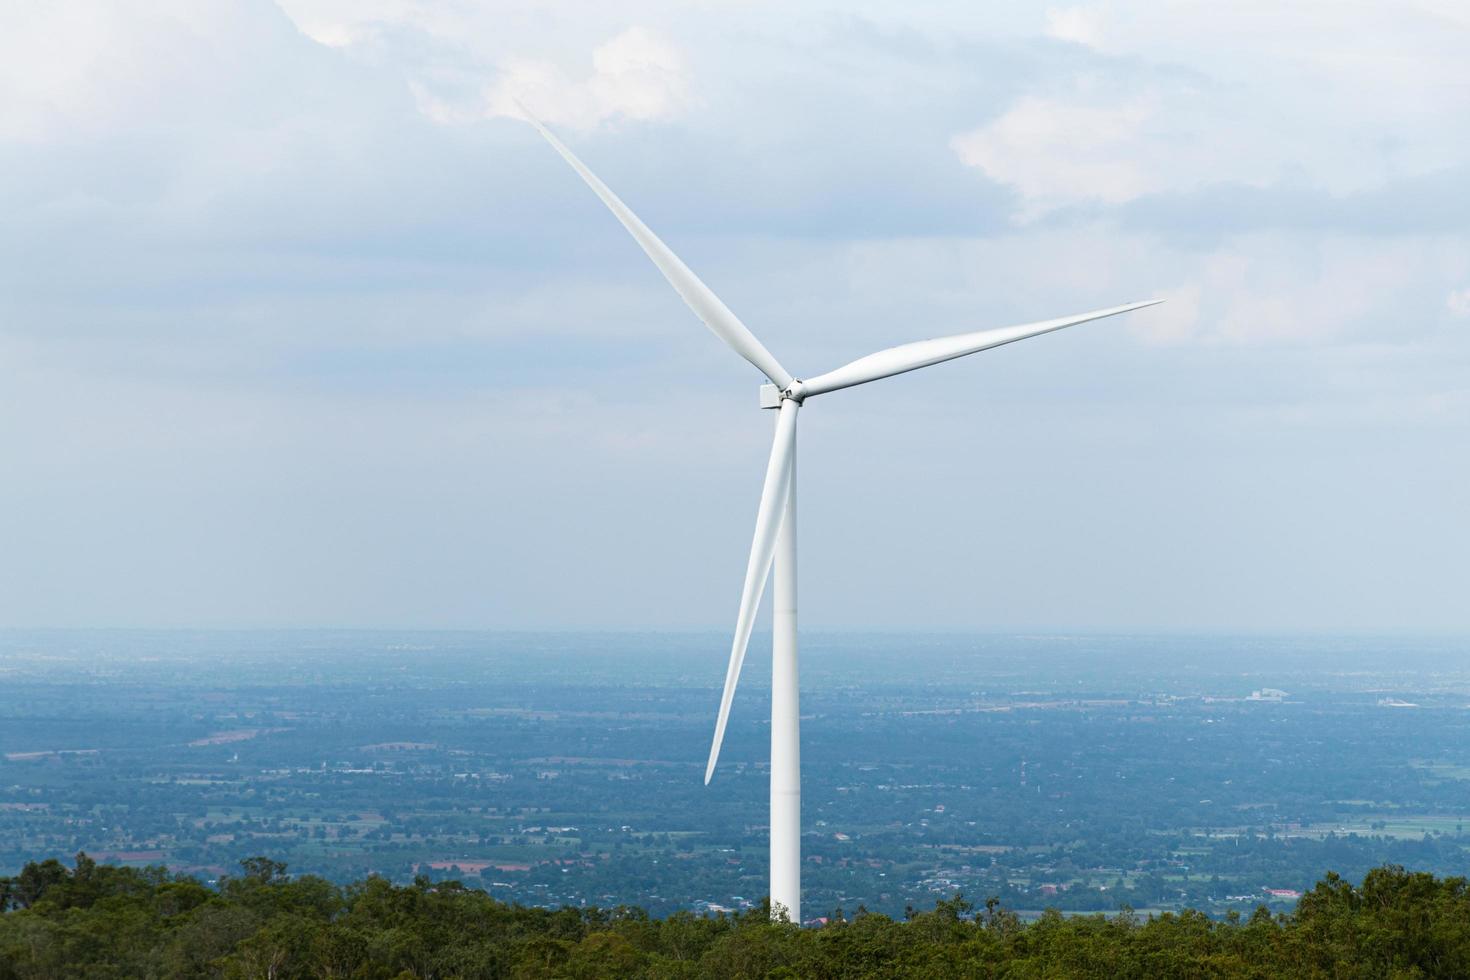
[101, 921]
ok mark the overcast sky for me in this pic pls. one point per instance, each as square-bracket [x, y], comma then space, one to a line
[299, 328]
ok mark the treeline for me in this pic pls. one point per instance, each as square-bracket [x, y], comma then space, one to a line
[99, 921]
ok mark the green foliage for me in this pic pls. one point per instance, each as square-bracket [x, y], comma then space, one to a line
[108, 922]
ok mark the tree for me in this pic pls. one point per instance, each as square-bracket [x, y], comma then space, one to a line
[263, 870]
[35, 880]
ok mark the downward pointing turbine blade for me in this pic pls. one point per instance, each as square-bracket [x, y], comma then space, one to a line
[909, 357]
[705, 304]
[762, 550]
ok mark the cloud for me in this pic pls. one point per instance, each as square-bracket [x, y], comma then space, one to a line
[1057, 153]
[1176, 321]
[1108, 141]
[1459, 302]
[635, 75]
[1176, 98]
[465, 64]
[290, 288]
[1430, 204]
[1080, 25]
[1274, 289]
[77, 70]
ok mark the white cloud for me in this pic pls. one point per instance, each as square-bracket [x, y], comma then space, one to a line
[1111, 141]
[76, 69]
[468, 63]
[1337, 97]
[1080, 25]
[1286, 291]
[1174, 322]
[1459, 302]
[340, 23]
[1057, 152]
[254, 251]
[46, 85]
[635, 75]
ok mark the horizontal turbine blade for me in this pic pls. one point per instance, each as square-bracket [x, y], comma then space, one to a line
[705, 304]
[922, 353]
[767, 524]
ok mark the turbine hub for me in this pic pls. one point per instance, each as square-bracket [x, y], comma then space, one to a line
[772, 397]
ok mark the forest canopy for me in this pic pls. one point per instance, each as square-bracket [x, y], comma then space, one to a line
[102, 921]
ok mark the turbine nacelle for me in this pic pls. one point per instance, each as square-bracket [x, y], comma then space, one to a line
[772, 397]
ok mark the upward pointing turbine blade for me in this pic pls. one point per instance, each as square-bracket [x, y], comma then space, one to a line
[762, 550]
[701, 299]
[922, 353]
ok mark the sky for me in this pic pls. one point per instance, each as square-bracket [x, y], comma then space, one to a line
[300, 326]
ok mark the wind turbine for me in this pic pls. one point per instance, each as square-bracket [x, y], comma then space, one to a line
[775, 520]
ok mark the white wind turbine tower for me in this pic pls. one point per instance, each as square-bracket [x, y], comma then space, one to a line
[775, 522]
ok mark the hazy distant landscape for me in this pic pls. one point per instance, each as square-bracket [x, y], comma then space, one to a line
[1078, 772]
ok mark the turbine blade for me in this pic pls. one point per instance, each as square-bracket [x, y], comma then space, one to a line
[922, 353]
[705, 304]
[762, 550]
